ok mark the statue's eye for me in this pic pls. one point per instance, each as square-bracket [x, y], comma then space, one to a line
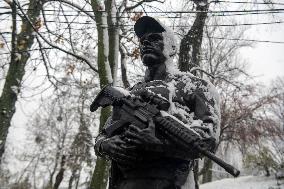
[155, 37]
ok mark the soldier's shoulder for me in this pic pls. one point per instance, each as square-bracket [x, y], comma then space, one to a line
[189, 82]
[186, 77]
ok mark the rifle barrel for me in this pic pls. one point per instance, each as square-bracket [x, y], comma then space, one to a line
[229, 168]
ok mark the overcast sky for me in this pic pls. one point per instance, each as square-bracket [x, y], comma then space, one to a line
[266, 59]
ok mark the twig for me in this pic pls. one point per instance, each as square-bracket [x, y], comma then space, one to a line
[45, 63]
[76, 6]
[10, 3]
[54, 46]
[214, 77]
[140, 3]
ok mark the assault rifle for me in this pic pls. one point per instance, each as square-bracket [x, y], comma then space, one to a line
[138, 110]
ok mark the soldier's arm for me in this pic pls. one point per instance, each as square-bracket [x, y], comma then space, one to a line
[100, 138]
[115, 148]
[205, 103]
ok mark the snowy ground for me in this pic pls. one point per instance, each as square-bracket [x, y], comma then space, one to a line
[247, 182]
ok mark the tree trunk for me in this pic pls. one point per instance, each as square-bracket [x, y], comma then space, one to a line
[207, 175]
[100, 175]
[195, 173]
[125, 81]
[21, 44]
[57, 156]
[78, 179]
[190, 46]
[71, 179]
[113, 34]
[104, 68]
[107, 71]
[80, 148]
[267, 171]
[60, 174]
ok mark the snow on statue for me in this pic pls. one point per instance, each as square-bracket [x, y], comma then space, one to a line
[151, 157]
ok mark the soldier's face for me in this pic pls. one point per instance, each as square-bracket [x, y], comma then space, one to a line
[151, 49]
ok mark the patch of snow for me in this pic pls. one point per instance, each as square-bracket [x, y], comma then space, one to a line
[123, 91]
[170, 48]
[116, 45]
[176, 108]
[106, 47]
[113, 12]
[166, 114]
[196, 123]
[101, 6]
[123, 60]
[169, 51]
[279, 173]
[245, 182]
[169, 41]
[189, 184]
[172, 88]
[160, 96]
[189, 86]
[108, 71]
[113, 15]
[202, 3]
[15, 89]
[18, 56]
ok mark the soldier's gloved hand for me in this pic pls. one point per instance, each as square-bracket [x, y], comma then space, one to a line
[142, 137]
[118, 150]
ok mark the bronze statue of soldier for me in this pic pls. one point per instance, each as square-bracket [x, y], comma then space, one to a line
[142, 158]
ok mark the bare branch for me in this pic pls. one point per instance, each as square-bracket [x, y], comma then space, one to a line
[140, 3]
[2, 13]
[10, 3]
[123, 66]
[214, 77]
[75, 6]
[45, 63]
[6, 42]
[69, 30]
[55, 46]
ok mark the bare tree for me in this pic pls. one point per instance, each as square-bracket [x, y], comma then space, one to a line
[20, 45]
[190, 45]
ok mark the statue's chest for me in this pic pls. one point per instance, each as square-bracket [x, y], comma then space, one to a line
[174, 91]
[159, 88]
